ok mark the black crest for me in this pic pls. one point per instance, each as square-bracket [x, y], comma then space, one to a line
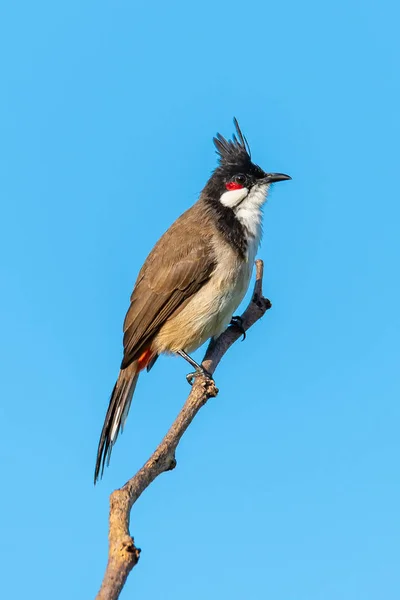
[235, 151]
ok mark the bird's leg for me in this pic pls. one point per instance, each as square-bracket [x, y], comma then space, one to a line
[199, 369]
[237, 322]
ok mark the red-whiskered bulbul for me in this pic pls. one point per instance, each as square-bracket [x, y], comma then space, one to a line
[194, 278]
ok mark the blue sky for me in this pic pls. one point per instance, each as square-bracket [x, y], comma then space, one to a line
[287, 485]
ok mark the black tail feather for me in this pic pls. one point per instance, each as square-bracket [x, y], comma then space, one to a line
[117, 413]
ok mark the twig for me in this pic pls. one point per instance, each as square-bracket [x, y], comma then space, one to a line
[123, 555]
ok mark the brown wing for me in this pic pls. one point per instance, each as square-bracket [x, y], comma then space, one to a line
[178, 266]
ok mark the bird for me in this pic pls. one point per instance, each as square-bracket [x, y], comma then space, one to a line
[194, 278]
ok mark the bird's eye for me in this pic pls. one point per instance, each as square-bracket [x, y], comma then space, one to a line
[240, 179]
[236, 183]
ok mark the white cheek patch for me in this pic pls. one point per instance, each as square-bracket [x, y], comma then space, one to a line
[233, 197]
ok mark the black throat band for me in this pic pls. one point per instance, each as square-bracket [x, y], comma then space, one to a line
[229, 226]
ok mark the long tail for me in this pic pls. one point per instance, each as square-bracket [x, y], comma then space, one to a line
[117, 412]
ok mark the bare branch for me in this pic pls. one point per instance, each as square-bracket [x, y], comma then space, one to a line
[123, 554]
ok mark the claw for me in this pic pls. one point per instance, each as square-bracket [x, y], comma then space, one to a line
[190, 377]
[237, 322]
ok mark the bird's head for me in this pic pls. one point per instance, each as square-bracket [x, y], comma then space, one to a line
[237, 181]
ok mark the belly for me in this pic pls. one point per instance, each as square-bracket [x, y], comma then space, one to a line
[208, 313]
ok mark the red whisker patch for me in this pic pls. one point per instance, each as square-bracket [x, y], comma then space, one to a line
[233, 185]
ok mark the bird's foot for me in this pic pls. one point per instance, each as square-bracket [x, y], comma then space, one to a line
[237, 323]
[201, 372]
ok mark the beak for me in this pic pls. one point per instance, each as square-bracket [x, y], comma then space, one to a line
[273, 177]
